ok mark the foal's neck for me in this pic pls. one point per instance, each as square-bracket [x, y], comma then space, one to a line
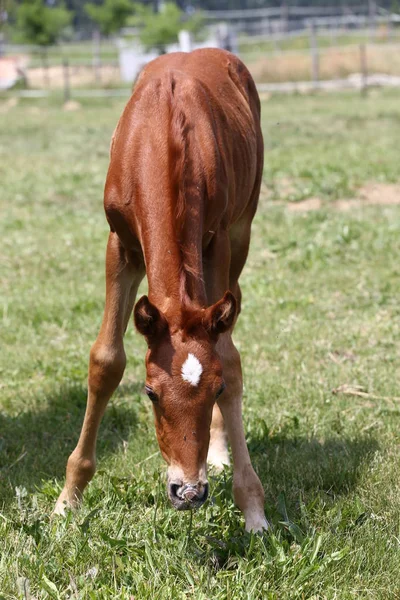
[175, 270]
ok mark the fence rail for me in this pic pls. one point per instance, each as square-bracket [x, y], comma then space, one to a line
[352, 83]
[288, 11]
[297, 58]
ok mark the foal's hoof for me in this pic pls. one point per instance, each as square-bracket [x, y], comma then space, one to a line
[257, 524]
[64, 504]
[60, 509]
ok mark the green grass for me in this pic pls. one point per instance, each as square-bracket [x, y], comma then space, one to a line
[77, 53]
[329, 146]
[302, 42]
[320, 309]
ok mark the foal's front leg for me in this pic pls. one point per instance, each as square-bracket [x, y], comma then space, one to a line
[247, 489]
[106, 367]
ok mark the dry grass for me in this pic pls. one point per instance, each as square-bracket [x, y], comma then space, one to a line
[288, 66]
[79, 76]
[333, 63]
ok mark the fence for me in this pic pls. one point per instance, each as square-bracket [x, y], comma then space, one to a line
[308, 59]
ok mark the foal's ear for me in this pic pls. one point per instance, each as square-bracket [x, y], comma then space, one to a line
[149, 321]
[220, 317]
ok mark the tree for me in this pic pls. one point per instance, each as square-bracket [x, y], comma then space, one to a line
[40, 24]
[395, 7]
[158, 30]
[111, 16]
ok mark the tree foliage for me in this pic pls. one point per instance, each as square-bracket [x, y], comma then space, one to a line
[40, 24]
[162, 28]
[111, 16]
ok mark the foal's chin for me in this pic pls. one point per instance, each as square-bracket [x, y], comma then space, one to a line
[186, 504]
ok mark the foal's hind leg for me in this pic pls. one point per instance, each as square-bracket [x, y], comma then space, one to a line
[106, 367]
[217, 253]
[218, 454]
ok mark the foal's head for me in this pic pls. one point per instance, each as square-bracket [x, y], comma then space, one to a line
[183, 379]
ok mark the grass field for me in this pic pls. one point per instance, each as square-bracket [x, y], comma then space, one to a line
[380, 35]
[333, 63]
[320, 311]
[77, 53]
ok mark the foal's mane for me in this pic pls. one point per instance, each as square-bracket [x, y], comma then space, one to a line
[187, 188]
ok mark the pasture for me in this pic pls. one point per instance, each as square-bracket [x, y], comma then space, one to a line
[320, 312]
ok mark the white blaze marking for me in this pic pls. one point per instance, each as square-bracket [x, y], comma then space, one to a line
[192, 369]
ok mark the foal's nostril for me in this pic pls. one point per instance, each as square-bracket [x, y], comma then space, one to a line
[188, 495]
[173, 491]
[204, 495]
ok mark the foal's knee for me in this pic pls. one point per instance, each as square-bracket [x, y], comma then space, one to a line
[247, 489]
[107, 365]
[80, 470]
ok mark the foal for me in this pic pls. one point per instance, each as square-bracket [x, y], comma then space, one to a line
[181, 192]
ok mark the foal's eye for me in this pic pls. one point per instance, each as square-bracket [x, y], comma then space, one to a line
[151, 393]
[221, 389]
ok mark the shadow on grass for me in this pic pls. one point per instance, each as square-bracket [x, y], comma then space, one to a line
[295, 470]
[35, 445]
[302, 466]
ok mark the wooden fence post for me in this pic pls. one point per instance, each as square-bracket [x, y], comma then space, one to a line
[364, 69]
[284, 17]
[67, 88]
[314, 54]
[389, 27]
[45, 66]
[96, 41]
[371, 18]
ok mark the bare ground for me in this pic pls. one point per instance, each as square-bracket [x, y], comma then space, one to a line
[371, 194]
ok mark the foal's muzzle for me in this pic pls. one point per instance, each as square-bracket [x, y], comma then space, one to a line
[186, 496]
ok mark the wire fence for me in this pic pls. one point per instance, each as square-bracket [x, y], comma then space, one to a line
[315, 58]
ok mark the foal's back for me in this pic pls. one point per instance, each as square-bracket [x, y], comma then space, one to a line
[193, 122]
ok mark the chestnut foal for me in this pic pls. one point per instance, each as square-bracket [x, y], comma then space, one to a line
[181, 191]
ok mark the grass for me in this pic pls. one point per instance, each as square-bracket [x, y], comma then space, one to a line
[77, 53]
[320, 310]
[324, 40]
[333, 63]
